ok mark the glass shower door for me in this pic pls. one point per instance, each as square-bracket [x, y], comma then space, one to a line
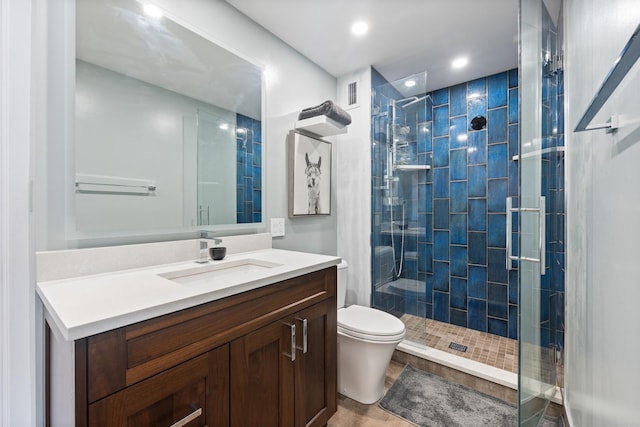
[540, 139]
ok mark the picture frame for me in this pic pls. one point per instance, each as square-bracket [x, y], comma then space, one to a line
[309, 175]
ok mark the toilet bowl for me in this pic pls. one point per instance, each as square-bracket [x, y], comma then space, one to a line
[367, 338]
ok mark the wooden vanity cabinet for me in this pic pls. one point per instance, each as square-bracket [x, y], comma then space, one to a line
[240, 361]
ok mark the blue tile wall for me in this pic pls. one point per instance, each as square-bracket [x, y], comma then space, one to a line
[248, 170]
[459, 203]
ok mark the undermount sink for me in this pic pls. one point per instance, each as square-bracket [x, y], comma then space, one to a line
[237, 269]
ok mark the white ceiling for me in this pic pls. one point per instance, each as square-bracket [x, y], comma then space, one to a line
[405, 36]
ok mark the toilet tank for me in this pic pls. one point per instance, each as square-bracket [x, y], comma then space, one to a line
[342, 283]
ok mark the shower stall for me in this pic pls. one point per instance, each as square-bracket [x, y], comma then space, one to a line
[466, 199]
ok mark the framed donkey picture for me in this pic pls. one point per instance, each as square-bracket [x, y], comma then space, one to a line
[309, 175]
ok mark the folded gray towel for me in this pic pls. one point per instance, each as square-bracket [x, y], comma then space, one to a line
[329, 109]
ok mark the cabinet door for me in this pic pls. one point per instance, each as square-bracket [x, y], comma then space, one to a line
[262, 384]
[194, 393]
[315, 373]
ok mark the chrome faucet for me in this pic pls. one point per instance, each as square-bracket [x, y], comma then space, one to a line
[204, 246]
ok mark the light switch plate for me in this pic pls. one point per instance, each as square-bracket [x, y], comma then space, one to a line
[277, 227]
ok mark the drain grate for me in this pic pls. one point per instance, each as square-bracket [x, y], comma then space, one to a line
[458, 347]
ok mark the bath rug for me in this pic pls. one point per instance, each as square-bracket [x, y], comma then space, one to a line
[428, 400]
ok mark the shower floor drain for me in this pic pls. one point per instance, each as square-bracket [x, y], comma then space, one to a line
[458, 347]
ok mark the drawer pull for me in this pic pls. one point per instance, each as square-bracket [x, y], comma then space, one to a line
[304, 335]
[186, 420]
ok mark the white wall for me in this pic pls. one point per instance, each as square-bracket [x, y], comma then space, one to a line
[354, 195]
[18, 372]
[603, 228]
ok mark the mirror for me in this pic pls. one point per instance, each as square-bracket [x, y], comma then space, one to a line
[168, 125]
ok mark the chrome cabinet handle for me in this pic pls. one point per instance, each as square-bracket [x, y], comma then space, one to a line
[292, 328]
[186, 420]
[304, 335]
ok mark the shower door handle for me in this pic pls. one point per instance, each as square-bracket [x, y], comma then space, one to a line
[541, 210]
[509, 231]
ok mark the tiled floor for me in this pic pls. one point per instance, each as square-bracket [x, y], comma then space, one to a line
[481, 346]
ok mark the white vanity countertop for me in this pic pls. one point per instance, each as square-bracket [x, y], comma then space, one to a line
[88, 305]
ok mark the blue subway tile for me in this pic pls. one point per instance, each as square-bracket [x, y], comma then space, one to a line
[441, 152]
[458, 100]
[440, 96]
[497, 199]
[497, 90]
[257, 178]
[441, 245]
[477, 314]
[441, 307]
[497, 300]
[496, 264]
[477, 282]
[513, 78]
[441, 121]
[423, 259]
[458, 196]
[497, 125]
[458, 293]
[424, 138]
[498, 327]
[257, 155]
[477, 215]
[478, 181]
[513, 286]
[257, 217]
[497, 165]
[458, 227]
[458, 317]
[458, 164]
[476, 107]
[514, 147]
[513, 178]
[458, 132]
[441, 214]
[257, 200]
[477, 87]
[477, 141]
[441, 276]
[424, 112]
[497, 230]
[441, 182]
[513, 106]
[458, 264]
[478, 248]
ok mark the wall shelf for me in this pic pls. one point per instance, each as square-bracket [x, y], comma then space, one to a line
[321, 126]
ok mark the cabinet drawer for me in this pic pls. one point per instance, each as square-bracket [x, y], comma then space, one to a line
[194, 393]
[126, 356]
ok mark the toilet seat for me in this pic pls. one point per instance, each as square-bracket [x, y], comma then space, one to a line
[370, 324]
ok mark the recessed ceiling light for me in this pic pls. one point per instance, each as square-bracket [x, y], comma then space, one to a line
[459, 62]
[153, 11]
[410, 83]
[359, 28]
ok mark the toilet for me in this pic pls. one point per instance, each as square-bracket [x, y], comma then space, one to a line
[367, 338]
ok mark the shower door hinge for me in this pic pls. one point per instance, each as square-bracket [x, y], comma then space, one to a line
[553, 65]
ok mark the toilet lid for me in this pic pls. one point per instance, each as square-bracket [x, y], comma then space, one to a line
[369, 321]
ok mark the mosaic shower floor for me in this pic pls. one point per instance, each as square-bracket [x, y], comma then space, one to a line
[482, 347]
